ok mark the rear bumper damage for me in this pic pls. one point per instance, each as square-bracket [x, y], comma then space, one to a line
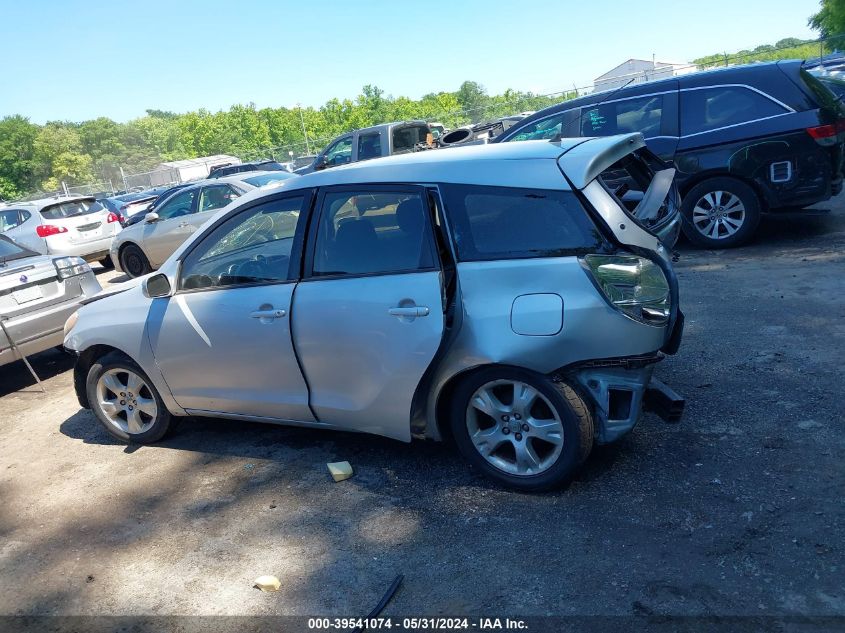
[620, 389]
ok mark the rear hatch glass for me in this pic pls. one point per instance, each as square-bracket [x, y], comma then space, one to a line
[71, 209]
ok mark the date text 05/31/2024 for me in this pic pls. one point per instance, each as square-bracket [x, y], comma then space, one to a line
[417, 624]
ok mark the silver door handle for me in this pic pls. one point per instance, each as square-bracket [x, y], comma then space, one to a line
[267, 314]
[412, 311]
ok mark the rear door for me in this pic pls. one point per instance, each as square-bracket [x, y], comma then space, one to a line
[81, 221]
[368, 315]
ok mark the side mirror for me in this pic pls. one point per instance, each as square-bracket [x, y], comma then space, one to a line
[151, 217]
[156, 286]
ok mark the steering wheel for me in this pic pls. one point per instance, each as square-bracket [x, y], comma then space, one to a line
[255, 267]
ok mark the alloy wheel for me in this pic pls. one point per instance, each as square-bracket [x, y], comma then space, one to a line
[718, 215]
[514, 427]
[126, 401]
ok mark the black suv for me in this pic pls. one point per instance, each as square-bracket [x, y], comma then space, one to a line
[259, 165]
[745, 140]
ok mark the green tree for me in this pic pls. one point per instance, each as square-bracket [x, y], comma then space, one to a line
[17, 142]
[59, 157]
[830, 20]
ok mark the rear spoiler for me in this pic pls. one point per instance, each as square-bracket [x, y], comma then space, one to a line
[584, 162]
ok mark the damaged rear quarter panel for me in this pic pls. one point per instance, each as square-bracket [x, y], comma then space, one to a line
[591, 328]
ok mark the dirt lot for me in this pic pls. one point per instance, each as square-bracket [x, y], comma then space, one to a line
[737, 510]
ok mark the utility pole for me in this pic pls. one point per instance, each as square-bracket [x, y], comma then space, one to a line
[123, 175]
[304, 132]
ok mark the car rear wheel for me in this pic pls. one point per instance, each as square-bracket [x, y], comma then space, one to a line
[520, 428]
[125, 401]
[720, 213]
[107, 263]
[133, 261]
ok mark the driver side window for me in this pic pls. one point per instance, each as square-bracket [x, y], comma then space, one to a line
[252, 247]
[181, 204]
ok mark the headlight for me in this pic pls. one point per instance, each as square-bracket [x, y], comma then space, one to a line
[635, 285]
[71, 321]
[70, 266]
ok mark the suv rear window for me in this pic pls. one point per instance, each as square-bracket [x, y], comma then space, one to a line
[70, 209]
[705, 109]
[508, 223]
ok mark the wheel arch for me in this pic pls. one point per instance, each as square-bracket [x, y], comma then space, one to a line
[444, 394]
[84, 360]
[696, 179]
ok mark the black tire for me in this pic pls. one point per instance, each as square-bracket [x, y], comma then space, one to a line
[574, 414]
[133, 261]
[107, 263]
[694, 227]
[161, 422]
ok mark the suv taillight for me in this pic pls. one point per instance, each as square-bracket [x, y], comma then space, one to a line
[827, 134]
[112, 217]
[46, 230]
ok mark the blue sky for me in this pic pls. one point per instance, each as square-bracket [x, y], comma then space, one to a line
[76, 60]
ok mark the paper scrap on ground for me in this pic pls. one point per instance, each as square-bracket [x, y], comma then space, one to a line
[267, 583]
[340, 470]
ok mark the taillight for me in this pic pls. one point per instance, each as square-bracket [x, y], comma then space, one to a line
[112, 217]
[46, 230]
[827, 134]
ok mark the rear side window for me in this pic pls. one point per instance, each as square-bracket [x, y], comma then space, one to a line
[621, 117]
[9, 219]
[70, 209]
[707, 109]
[405, 138]
[506, 223]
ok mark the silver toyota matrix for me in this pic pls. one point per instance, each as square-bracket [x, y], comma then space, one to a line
[514, 298]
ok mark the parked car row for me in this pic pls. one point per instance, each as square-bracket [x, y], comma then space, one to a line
[745, 140]
[103, 230]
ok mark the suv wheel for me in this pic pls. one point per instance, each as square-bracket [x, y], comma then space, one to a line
[520, 428]
[133, 261]
[107, 263]
[720, 213]
[125, 401]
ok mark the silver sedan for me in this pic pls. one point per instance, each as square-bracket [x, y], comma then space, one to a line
[37, 295]
[504, 296]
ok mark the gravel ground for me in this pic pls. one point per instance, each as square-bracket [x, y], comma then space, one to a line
[737, 510]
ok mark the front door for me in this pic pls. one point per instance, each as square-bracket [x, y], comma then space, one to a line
[224, 341]
[162, 237]
[368, 317]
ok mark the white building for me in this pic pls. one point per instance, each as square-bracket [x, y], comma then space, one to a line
[189, 169]
[641, 71]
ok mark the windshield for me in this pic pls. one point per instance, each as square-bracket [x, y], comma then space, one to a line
[10, 250]
[71, 209]
[263, 179]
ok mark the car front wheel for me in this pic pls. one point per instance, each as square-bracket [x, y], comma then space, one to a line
[720, 213]
[520, 428]
[125, 401]
[133, 261]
